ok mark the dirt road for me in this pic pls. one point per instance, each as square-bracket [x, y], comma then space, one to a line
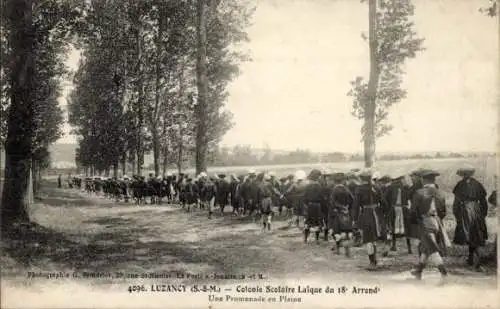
[118, 241]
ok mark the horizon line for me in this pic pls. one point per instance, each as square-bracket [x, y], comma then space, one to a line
[333, 151]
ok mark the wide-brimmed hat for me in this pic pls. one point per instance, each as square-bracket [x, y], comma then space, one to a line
[418, 172]
[429, 174]
[466, 170]
[397, 178]
[222, 175]
[385, 178]
[314, 174]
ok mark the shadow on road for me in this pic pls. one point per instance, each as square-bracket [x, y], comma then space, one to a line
[150, 240]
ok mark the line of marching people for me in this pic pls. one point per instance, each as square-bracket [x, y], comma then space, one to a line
[354, 208]
[379, 210]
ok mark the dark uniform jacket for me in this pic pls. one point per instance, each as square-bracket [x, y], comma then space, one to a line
[368, 214]
[470, 209]
[315, 202]
[223, 190]
[208, 191]
[433, 238]
[340, 209]
[364, 195]
[421, 203]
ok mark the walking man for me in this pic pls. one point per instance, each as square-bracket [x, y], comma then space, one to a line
[428, 209]
[470, 208]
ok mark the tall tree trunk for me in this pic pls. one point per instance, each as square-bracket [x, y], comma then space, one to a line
[132, 158]
[34, 171]
[165, 146]
[202, 86]
[180, 154]
[1, 155]
[369, 126]
[115, 169]
[140, 160]
[140, 100]
[154, 119]
[29, 197]
[156, 150]
[39, 177]
[18, 147]
[165, 160]
[124, 163]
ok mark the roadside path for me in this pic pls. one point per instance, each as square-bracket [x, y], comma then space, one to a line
[101, 236]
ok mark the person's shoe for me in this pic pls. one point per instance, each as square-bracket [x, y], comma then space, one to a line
[417, 272]
[373, 262]
[443, 280]
[306, 235]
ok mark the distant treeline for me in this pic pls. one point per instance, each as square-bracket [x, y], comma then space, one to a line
[242, 155]
[247, 156]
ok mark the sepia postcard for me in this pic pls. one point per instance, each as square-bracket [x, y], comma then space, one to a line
[249, 153]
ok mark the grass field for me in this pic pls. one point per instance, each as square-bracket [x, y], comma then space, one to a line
[76, 232]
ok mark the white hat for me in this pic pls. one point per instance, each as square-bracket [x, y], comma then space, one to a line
[159, 177]
[271, 174]
[202, 175]
[267, 177]
[300, 175]
[375, 175]
[169, 174]
[252, 171]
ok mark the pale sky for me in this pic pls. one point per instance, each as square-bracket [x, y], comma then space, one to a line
[294, 92]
